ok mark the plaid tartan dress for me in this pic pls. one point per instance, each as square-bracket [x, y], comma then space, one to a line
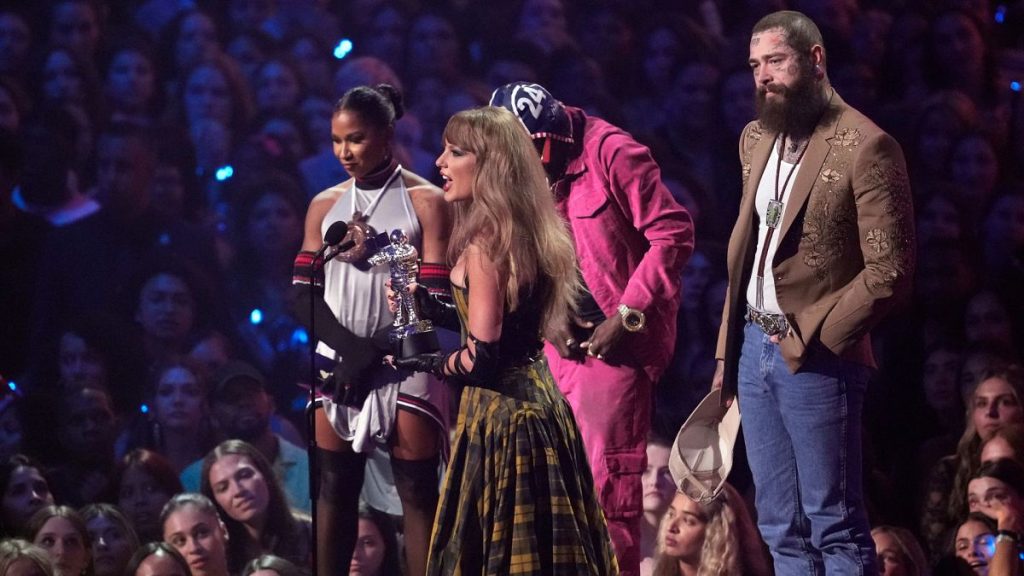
[518, 497]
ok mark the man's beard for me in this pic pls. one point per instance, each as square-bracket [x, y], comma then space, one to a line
[797, 113]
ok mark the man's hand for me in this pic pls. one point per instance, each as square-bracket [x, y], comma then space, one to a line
[605, 338]
[718, 379]
[562, 338]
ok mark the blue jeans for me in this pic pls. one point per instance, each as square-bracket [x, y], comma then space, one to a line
[803, 438]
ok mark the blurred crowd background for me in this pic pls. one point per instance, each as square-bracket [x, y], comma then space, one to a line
[157, 157]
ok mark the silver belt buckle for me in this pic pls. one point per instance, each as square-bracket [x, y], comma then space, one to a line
[770, 324]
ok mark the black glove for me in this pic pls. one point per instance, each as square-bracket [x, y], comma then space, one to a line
[432, 363]
[439, 311]
[348, 383]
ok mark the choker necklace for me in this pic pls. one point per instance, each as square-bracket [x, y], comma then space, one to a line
[379, 175]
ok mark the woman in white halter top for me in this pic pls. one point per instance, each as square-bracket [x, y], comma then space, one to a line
[366, 406]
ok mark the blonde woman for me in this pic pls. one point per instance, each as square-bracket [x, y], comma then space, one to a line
[518, 485]
[22, 557]
[714, 539]
[997, 401]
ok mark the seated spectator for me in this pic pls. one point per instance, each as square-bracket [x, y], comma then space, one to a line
[157, 559]
[171, 301]
[113, 539]
[995, 402]
[97, 350]
[240, 481]
[974, 545]
[997, 484]
[177, 424]
[717, 538]
[24, 490]
[146, 481]
[658, 491]
[21, 558]
[132, 86]
[1007, 442]
[62, 533]
[899, 553]
[376, 552]
[242, 410]
[85, 467]
[191, 525]
[270, 565]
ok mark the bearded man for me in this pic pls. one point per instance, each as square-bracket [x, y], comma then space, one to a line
[822, 249]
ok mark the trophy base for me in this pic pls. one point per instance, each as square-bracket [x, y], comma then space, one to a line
[417, 343]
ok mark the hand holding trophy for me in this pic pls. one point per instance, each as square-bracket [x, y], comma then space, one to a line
[411, 334]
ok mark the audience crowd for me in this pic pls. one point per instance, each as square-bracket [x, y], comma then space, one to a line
[156, 160]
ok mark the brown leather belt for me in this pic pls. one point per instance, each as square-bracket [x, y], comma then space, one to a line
[770, 324]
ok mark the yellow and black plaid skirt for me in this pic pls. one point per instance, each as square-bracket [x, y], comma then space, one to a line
[519, 496]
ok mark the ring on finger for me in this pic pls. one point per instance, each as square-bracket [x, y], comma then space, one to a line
[570, 341]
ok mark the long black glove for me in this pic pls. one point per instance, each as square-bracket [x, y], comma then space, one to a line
[349, 383]
[432, 363]
[483, 371]
[438, 310]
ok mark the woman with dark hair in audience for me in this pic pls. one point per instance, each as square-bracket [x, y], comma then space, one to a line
[955, 35]
[171, 300]
[24, 490]
[249, 499]
[376, 552]
[973, 545]
[146, 481]
[21, 558]
[190, 37]
[369, 406]
[113, 539]
[132, 83]
[270, 565]
[277, 85]
[192, 526]
[157, 559]
[96, 350]
[61, 531]
[177, 422]
[66, 79]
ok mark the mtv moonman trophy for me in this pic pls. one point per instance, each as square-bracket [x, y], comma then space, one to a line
[411, 334]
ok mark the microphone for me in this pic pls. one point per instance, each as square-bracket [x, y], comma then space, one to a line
[338, 250]
[335, 234]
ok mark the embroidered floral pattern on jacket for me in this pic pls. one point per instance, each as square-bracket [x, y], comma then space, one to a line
[831, 219]
[893, 248]
[848, 137]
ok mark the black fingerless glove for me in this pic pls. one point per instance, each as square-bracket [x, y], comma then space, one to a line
[432, 363]
[436, 309]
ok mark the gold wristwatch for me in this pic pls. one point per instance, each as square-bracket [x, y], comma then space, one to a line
[633, 320]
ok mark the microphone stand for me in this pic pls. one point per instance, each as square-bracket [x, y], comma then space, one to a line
[311, 445]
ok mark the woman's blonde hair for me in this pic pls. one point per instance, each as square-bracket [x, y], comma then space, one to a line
[968, 449]
[14, 549]
[910, 548]
[512, 216]
[720, 554]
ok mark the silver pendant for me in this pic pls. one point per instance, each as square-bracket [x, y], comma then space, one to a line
[773, 215]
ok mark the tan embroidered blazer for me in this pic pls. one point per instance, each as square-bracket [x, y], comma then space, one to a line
[846, 245]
